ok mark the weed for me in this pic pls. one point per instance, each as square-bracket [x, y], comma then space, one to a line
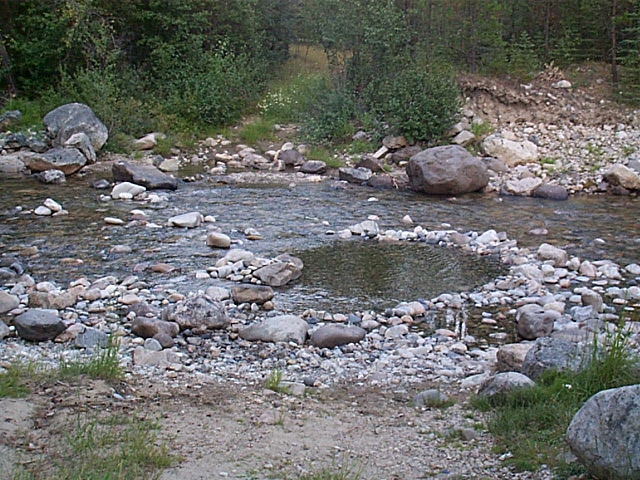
[339, 472]
[360, 146]
[481, 129]
[547, 160]
[628, 150]
[164, 145]
[273, 382]
[322, 154]
[104, 365]
[594, 150]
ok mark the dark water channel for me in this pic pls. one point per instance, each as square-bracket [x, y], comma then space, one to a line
[340, 276]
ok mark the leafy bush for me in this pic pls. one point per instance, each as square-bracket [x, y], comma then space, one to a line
[417, 102]
[331, 117]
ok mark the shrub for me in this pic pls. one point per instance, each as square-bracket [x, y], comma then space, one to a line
[418, 103]
[331, 118]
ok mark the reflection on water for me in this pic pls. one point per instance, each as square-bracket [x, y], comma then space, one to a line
[367, 275]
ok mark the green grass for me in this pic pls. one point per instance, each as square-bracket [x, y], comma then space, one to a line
[273, 382]
[531, 423]
[481, 129]
[104, 365]
[260, 129]
[324, 155]
[112, 446]
[13, 382]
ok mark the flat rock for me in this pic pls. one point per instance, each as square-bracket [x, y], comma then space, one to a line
[252, 294]
[313, 167]
[82, 142]
[14, 163]
[187, 220]
[126, 190]
[91, 338]
[354, 175]
[605, 434]
[51, 177]
[533, 321]
[331, 336]
[218, 240]
[622, 176]
[5, 331]
[551, 353]
[291, 157]
[39, 325]
[550, 192]
[150, 327]
[511, 356]
[283, 328]
[510, 152]
[146, 175]
[8, 302]
[523, 187]
[67, 160]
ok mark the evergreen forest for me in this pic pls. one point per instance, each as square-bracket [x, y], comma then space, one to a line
[193, 65]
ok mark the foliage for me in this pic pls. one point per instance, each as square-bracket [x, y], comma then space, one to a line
[273, 382]
[531, 423]
[331, 117]
[417, 102]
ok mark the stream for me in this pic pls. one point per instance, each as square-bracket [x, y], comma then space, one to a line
[339, 276]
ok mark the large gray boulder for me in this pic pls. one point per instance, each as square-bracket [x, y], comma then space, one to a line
[533, 321]
[146, 175]
[605, 434]
[67, 160]
[553, 353]
[8, 302]
[331, 336]
[199, 312]
[39, 325]
[358, 175]
[67, 120]
[283, 328]
[504, 383]
[448, 170]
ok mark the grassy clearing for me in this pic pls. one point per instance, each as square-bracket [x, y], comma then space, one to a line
[531, 423]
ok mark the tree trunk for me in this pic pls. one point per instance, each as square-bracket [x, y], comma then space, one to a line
[5, 63]
[614, 43]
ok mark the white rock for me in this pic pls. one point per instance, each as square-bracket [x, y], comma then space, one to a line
[52, 205]
[42, 211]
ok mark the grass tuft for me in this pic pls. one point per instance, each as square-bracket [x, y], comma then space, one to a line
[13, 380]
[104, 365]
[274, 382]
